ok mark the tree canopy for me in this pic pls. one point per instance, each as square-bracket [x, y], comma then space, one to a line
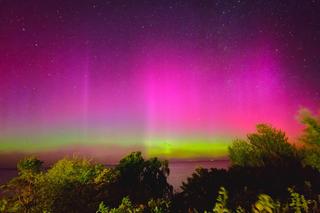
[266, 146]
[311, 131]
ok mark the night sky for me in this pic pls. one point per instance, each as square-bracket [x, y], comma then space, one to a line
[170, 78]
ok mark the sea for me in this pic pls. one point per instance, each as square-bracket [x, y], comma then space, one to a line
[179, 170]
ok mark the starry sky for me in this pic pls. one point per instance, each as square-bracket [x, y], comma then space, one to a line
[178, 79]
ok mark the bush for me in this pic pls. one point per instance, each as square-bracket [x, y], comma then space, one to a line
[221, 203]
[126, 206]
[265, 204]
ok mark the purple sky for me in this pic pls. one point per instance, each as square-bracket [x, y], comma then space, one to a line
[129, 73]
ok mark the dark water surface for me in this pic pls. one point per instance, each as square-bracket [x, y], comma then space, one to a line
[179, 171]
[7, 174]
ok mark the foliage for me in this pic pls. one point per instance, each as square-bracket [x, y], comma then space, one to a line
[310, 138]
[71, 185]
[79, 185]
[265, 163]
[142, 179]
[29, 165]
[298, 203]
[126, 206]
[311, 157]
[20, 193]
[221, 204]
[159, 205]
[265, 167]
[199, 190]
[244, 185]
[3, 205]
[242, 153]
[268, 146]
[265, 204]
[102, 208]
[239, 209]
[311, 132]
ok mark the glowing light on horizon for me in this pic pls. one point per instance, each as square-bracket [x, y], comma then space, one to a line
[172, 80]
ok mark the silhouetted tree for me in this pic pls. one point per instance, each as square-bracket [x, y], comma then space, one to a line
[267, 146]
[200, 190]
[20, 192]
[311, 132]
[310, 138]
[244, 184]
[264, 163]
[30, 165]
[143, 180]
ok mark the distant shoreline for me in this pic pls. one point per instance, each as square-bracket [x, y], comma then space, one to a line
[174, 161]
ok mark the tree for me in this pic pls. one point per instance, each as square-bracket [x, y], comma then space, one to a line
[19, 194]
[265, 147]
[264, 163]
[79, 185]
[73, 185]
[310, 138]
[199, 190]
[30, 165]
[241, 153]
[311, 132]
[143, 180]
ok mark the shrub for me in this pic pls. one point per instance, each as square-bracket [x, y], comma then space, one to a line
[265, 204]
[221, 203]
[159, 205]
[298, 203]
[126, 206]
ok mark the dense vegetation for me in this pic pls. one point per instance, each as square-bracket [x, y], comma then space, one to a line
[267, 174]
[79, 185]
